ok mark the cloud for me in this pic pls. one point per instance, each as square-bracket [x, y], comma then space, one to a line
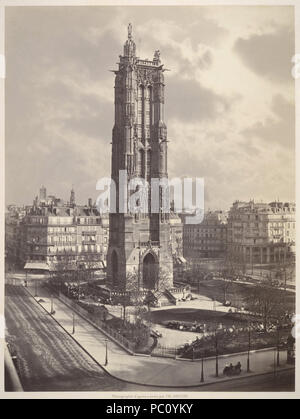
[188, 101]
[278, 129]
[268, 54]
[226, 123]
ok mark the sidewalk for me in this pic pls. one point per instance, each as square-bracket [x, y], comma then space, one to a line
[145, 370]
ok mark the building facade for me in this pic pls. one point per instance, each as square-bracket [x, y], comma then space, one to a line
[50, 237]
[139, 242]
[176, 236]
[13, 233]
[207, 239]
[63, 237]
[261, 233]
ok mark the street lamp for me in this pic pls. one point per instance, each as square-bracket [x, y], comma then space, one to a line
[106, 354]
[249, 347]
[35, 288]
[51, 310]
[202, 372]
[217, 358]
[275, 362]
[278, 342]
[73, 329]
[78, 286]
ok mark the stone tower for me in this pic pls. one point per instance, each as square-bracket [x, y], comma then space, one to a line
[139, 244]
[72, 197]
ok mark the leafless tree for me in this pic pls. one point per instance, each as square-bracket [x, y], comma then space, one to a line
[265, 299]
[162, 280]
[91, 265]
[59, 272]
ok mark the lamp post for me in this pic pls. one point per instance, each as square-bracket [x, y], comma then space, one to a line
[249, 347]
[106, 353]
[278, 342]
[285, 280]
[51, 309]
[193, 353]
[35, 288]
[202, 371]
[78, 279]
[217, 358]
[274, 362]
[73, 328]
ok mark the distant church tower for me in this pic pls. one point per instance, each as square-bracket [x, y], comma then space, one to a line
[139, 244]
[72, 197]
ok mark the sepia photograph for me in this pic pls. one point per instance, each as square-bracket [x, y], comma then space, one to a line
[149, 214]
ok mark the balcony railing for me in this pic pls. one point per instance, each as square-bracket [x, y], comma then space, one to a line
[149, 243]
[147, 63]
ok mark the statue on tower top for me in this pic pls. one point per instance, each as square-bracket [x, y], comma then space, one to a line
[129, 31]
[129, 47]
[157, 56]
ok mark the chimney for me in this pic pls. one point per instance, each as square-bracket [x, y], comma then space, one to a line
[90, 202]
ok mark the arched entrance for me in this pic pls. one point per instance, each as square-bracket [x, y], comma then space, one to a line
[150, 272]
[114, 266]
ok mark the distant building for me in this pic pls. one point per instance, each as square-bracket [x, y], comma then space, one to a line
[207, 239]
[72, 198]
[176, 240]
[13, 223]
[42, 194]
[50, 235]
[261, 233]
[176, 235]
[64, 236]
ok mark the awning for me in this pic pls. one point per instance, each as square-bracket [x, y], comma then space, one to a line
[37, 266]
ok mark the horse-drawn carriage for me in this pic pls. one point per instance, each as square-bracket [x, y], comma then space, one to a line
[230, 370]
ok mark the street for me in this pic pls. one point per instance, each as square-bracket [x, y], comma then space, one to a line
[48, 359]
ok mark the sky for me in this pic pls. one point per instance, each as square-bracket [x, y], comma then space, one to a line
[229, 97]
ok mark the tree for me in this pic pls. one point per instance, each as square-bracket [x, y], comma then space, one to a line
[162, 280]
[265, 299]
[131, 296]
[91, 264]
[285, 270]
[59, 272]
[234, 267]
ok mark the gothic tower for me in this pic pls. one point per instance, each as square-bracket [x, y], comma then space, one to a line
[72, 197]
[139, 244]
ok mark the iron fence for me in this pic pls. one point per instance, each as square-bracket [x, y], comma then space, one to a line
[99, 323]
[164, 351]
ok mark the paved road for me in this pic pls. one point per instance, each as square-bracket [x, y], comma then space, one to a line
[284, 381]
[48, 359]
[151, 371]
[51, 361]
